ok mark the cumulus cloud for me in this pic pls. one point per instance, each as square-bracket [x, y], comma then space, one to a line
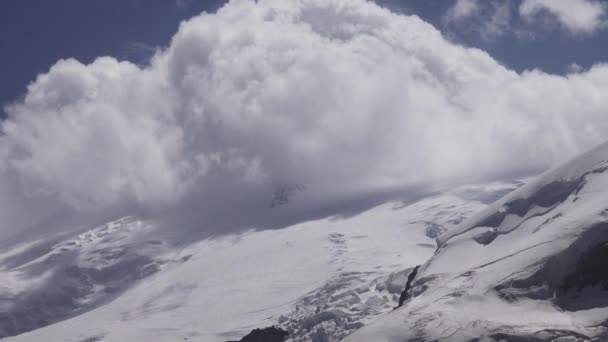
[577, 16]
[337, 99]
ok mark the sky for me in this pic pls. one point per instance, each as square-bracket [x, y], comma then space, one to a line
[283, 111]
[34, 34]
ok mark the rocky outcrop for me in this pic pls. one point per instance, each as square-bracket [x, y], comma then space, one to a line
[406, 293]
[270, 334]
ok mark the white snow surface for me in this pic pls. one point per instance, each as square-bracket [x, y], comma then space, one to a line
[530, 267]
[130, 280]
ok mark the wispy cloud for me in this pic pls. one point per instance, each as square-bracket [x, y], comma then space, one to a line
[462, 9]
[526, 19]
[183, 3]
[139, 51]
[489, 20]
[576, 16]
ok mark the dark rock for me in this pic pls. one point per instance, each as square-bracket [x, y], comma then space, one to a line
[486, 237]
[590, 270]
[575, 279]
[320, 336]
[271, 334]
[405, 294]
[548, 196]
[282, 195]
[433, 230]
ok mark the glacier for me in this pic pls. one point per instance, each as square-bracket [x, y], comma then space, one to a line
[530, 267]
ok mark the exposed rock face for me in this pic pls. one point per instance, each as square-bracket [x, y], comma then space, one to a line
[406, 293]
[434, 230]
[271, 334]
[531, 267]
[282, 195]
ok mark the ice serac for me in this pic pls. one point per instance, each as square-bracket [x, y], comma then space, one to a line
[530, 267]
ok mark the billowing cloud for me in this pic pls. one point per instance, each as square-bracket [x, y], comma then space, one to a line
[324, 100]
[577, 16]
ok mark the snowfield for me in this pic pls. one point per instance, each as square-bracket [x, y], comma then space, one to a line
[130, 280]
[530, 267]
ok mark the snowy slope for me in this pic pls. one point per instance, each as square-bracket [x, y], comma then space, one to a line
[130, 280]
[531, 267]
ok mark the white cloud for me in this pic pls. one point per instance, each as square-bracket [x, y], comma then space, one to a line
[575, 68]
[578, 16]
[488, 19]
[462, 9]
[498, 22]
[340, 96]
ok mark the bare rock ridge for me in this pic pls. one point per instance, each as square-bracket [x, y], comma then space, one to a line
[406, 293]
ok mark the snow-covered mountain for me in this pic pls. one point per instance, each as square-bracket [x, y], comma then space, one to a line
[134, 280]
[530, 267]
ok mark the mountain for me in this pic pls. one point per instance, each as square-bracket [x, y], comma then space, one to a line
[136, 280]
[530, 267]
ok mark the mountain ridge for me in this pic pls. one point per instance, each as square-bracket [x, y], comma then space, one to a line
[526, 268]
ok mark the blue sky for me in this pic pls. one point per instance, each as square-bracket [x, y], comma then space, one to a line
[34, 34]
